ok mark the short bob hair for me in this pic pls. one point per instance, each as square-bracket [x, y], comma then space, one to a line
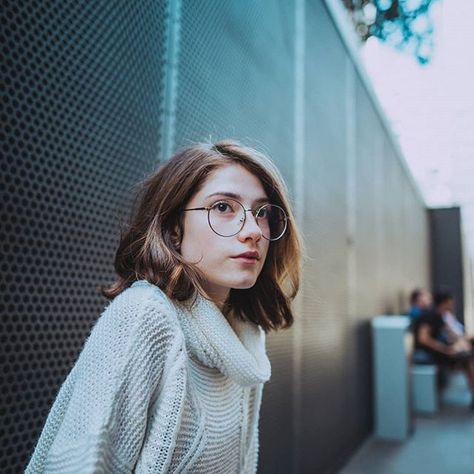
[150, 246]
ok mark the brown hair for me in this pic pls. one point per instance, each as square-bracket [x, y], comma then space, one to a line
[150, 247]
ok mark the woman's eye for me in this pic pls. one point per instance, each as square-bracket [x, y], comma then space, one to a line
[263, 214]
[222, 207]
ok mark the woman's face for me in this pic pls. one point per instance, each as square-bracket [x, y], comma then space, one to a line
[218, 257]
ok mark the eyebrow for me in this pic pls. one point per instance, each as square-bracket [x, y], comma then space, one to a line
[237, 196]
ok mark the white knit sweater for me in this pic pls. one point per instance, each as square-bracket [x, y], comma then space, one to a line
[158, 388]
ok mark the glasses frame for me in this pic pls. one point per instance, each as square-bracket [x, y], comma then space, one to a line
[254, 213]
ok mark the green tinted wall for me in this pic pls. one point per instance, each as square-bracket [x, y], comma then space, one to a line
[98, 94]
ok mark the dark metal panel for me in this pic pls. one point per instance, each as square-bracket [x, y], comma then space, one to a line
[447, 258]
[368, 249]
[81, 122]
[325, 402]
[235, 75]
[390, 248]
[236, 79]
[389, 257]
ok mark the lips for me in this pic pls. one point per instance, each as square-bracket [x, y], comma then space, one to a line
[253, 255]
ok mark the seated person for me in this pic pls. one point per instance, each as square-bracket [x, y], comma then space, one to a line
[454, 329]
[420, 300]
[432, 336]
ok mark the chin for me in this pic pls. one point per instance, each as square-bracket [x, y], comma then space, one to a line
[244, 284]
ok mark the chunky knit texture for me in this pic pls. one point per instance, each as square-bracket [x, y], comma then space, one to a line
[158, 388]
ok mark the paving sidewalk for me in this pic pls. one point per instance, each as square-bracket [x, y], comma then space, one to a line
[441, 444]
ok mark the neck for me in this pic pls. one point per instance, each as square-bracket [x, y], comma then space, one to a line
[218, 296]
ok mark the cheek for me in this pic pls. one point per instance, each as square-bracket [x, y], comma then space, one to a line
[266, 247]
[264, 252]
[198, 243]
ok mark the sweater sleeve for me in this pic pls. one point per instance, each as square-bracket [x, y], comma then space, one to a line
[98, 422]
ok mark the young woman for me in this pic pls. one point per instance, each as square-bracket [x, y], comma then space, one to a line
[171, 376]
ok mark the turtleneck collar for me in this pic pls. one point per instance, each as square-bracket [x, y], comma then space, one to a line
[237, 351]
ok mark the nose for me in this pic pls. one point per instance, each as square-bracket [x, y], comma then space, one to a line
[250, 230]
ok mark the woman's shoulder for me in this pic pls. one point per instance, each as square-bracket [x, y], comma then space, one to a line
[143, 296]
[141, 307]
[138, 323]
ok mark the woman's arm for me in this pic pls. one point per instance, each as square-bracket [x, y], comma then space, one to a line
[98, 421]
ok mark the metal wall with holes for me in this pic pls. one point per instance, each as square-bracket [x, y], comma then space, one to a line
[96, 94]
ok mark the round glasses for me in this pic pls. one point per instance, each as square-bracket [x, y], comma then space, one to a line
[227, 218]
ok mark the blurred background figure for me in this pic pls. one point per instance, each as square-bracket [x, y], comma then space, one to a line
[453, 332]
[439, 343]
[420, 299]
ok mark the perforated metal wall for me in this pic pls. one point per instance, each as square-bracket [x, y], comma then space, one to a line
[94, 92]
[81, 95]
[236, 75]
[236, 78]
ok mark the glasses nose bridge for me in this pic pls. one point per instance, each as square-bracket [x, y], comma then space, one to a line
[253, 212]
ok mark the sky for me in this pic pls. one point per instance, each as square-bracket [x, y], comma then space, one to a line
[431, 108]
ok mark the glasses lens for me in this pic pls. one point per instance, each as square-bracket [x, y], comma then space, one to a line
[272, 221]
[226, 217]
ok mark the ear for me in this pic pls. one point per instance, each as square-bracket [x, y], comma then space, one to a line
[176, 236]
